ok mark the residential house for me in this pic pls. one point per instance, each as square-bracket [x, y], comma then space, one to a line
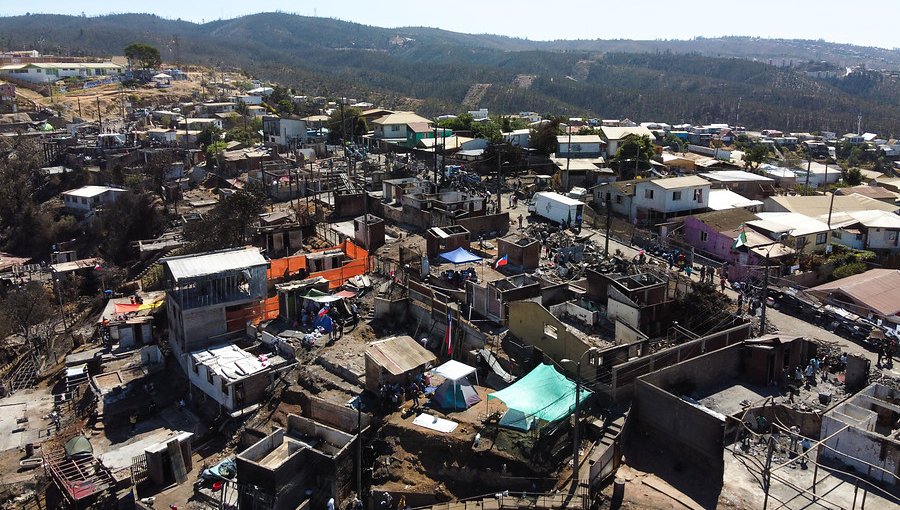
[854, 138]
[615, 135]
[873, 191]
[818, 205]
[877, 231]
[230, 376]
[518, 137]
[713, 235]
[7, 91]
[656, 200]
[582, 172]
[816, 175]
[85, 200]
[53, 71]
[216, 107]
[803, 233]
[196, 123]
[579, 146]
[619, 195]
[749, 185]
[874, 293]
[284, 131]
[394, 127]
[723, 199]
[416, 131]
[206, 294]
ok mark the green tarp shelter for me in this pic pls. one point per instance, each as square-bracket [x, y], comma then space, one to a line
[543, 394]
[78, 446]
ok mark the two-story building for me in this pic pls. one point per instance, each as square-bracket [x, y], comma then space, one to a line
[614, 136]
[656, 200]
[878, 231]
[746, 184]
[284, 131]
[394, 127]
[202, 289]
[579, 146]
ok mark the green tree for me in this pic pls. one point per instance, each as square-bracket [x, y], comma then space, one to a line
[209, 136]
[146, 56]
[344, 124]
[757, 155]
[228, 224]
[853, 177]
[633, 153]
[543, 138]
[675, 143]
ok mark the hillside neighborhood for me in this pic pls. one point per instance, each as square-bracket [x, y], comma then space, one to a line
[220, 292]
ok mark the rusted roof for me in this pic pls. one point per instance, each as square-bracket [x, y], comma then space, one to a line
[877, 290]
[399, 354]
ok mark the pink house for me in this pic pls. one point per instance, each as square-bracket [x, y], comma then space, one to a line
[713, 234]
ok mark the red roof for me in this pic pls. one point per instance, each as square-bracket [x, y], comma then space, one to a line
[876, 290]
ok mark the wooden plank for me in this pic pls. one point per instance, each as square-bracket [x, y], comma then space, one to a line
[178, 469]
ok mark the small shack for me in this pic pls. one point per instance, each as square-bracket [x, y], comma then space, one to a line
[389, 361]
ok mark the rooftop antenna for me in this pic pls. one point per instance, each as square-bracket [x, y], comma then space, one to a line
[859, 124]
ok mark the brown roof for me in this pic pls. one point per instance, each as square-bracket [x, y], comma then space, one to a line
[625, 187]
[727, 220]
[399, 354]
[877, 290]
[876, 192]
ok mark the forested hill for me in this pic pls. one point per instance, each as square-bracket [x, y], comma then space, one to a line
[701, 80]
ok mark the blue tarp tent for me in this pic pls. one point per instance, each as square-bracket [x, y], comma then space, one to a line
[543, 394]
[460, 256]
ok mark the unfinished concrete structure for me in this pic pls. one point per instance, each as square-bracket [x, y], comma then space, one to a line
[368, 232]
[492, 299]
[308, 456]
[200, 288]
[523, 253]
[693, 406]
[443, 239]
[862, 433]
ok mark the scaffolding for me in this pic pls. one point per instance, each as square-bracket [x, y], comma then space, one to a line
[78, 477]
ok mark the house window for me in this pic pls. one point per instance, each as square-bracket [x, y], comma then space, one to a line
[892, 236]
[698, 195]
[395, 127]
[676, 195]
[801, 242]
[836, 234]
[83, 200]
[550, 330]
[704, 236]
[224, 386]
[859, 237]
[821, 237]
[209, 375]
[648, 194]
[196, 368]
[618, 199]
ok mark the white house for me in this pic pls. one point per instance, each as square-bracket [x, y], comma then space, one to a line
[52, 71]
[219, 107]
[248, 99]
[85, 200]
[518, 137]
[819, 174]
[579, 146]
[284, 131]
[199, 123]
[866, 230]
[229, 375]
[394, 126]
[614, 136]
[656, 200]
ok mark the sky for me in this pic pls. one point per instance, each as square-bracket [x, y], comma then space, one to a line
[870, 24]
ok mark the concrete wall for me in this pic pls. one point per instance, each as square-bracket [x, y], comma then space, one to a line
[689, 431]
[621, 311]
[483, 225]
[534, 325]
[340, 417]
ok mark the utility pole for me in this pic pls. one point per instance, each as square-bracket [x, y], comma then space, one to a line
[99, 113]
[608, 220]
[359, 436]
[499, 177]
[435, 158]
[765, 296]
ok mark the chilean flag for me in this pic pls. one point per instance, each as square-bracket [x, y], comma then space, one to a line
[502, 261]
[448, 337]
[323, 311]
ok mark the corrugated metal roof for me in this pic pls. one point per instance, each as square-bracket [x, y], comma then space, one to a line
[876, 289]
[399, 354]
[191, 266]
[680, 182]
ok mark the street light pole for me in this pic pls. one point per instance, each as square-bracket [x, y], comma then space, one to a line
[575, 449]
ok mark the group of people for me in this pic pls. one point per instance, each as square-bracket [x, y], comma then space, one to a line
[886, 349]
[414, 387]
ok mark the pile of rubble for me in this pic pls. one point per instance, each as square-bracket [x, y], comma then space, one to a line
[566, 256]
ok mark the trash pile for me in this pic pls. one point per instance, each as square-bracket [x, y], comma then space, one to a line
[566, 256]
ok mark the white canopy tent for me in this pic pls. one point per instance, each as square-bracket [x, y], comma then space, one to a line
[456, 392]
